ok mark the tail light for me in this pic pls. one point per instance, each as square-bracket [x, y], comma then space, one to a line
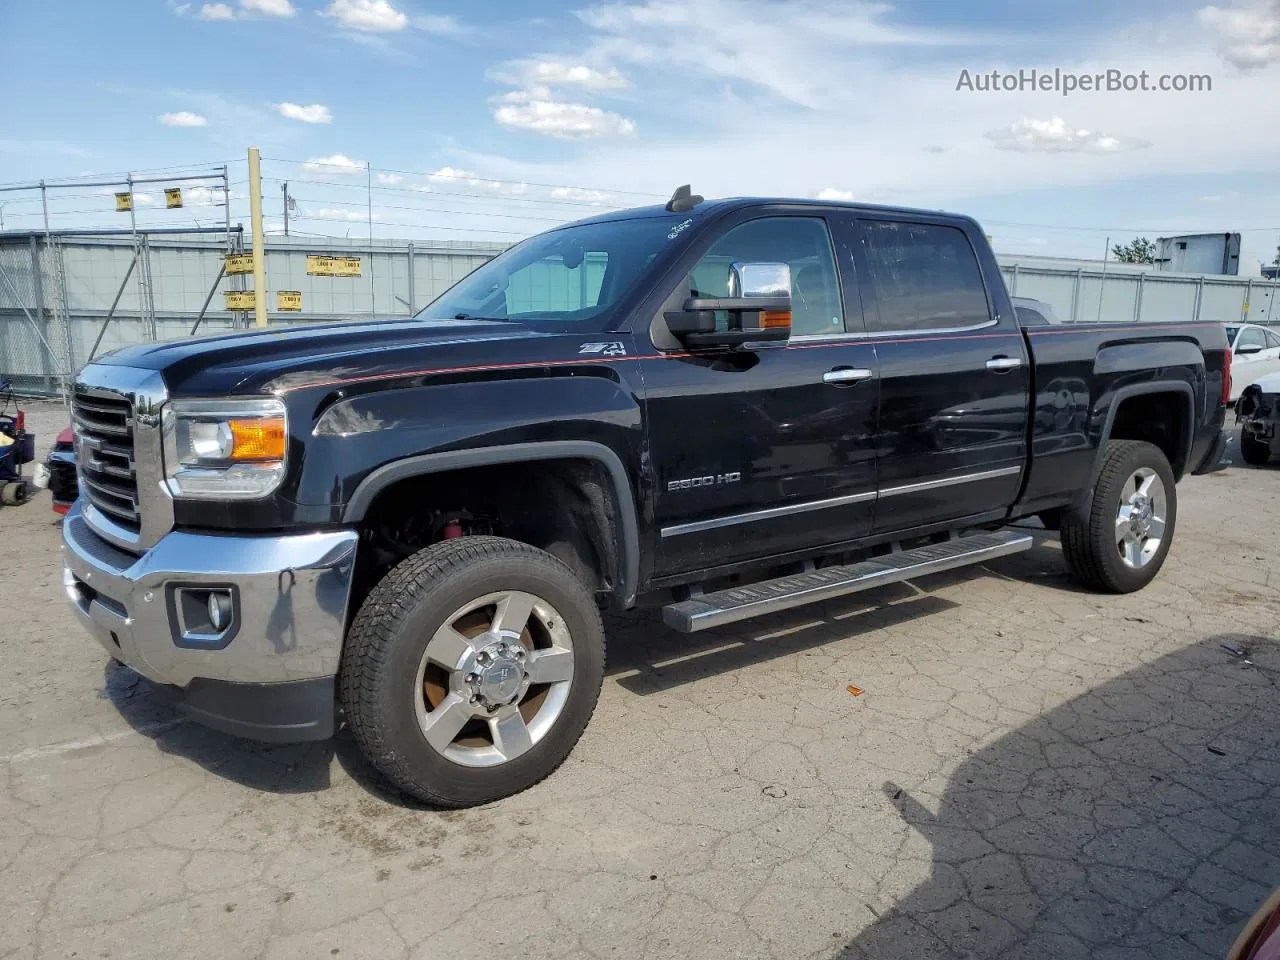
[1226, 377]
[20, 422]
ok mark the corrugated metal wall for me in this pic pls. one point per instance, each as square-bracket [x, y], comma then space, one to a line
[55, 294]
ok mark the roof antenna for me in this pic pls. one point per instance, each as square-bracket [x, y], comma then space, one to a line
[683, 200]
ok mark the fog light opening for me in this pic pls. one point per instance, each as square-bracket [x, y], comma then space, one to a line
[203, 617]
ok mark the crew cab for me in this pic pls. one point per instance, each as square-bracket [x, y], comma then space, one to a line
[723, 408]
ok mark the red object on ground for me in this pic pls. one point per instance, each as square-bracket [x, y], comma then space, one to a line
[61, 508]
[452, 530]
[67, 437]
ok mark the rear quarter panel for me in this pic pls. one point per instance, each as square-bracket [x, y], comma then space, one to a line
[1082, 371]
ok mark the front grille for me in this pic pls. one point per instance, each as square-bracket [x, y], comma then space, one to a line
[105, 456]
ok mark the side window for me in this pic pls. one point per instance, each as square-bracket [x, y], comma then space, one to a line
[1252, 337]
[552, 285]
[804, 244]
[1030, 318]
[1273, 339]
[925, 276]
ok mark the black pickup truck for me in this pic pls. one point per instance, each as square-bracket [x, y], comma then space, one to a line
[723, 408]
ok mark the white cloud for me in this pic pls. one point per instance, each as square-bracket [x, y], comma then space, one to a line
[452, 175]
[143, 199]
[1054, 136]
[270, 8]
[831, 193]
[216, 11]
[389, 179]
[313, 113]
[772, 47]
[522, 110]
[374, 16]
[557, 73]
[597, 198]
[437, 23]
[1247, 37]
[339, 213]
[334, 163]
[183, 118]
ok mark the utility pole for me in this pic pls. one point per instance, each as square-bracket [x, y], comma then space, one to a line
[284, 189]
[2, 205]
[255, 223]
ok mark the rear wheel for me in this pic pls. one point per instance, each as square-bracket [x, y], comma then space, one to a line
[472, 669]
[1122, 543]
[1256, 452]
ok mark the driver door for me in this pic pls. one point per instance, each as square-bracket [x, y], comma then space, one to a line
[761, 452]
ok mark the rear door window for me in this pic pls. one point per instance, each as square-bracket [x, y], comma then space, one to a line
[925, 276]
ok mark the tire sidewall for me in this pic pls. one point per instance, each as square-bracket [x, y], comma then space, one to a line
[1106, 506]
[438, 599]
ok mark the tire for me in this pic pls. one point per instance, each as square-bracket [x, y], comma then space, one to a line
[1255, 452]
[1095, 552]
[446, 604]
[16, 493]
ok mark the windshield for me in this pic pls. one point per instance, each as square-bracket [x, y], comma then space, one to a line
[570, 276]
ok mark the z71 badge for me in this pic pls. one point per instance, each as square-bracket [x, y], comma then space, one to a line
[696, 483]
[610, 348]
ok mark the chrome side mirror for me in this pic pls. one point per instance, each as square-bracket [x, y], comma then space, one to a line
[749, 281]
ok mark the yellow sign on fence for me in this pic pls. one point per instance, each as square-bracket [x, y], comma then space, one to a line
[239, 299]
[289, 300]
[172, 197]
[239, 263]
[124, 202]
[333, 266]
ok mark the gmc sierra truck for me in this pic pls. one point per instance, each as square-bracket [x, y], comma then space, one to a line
[723, 408]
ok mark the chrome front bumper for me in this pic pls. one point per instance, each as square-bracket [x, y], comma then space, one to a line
[292, 594]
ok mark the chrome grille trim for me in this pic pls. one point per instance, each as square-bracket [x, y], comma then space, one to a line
[116, 417]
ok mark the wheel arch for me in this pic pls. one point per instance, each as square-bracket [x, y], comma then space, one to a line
[626, 560]
[1177, 450]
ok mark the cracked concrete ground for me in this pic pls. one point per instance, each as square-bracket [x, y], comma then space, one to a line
[1032, 772]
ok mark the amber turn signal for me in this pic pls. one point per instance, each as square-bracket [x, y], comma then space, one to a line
[257, 439]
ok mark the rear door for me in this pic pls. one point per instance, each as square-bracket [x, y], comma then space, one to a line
[954, 374]
[762, 452]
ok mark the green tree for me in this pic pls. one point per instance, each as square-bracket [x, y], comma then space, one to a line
[1138, 250]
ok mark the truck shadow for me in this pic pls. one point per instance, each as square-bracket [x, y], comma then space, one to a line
[1138, 820]
[268, 767]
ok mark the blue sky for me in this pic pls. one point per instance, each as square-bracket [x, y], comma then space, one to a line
[490, 120]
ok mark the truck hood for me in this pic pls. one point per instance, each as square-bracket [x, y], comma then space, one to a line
[266, 360]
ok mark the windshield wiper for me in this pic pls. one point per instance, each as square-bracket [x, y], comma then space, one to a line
[472, 316]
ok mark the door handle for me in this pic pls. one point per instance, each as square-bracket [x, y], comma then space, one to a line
[847, 376]
[1003, 364]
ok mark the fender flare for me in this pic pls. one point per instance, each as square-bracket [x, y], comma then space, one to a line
[1137, 390]
[428, 463]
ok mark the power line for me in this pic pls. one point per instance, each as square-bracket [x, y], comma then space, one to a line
[468, 177]
[462, 194]
[463, 213]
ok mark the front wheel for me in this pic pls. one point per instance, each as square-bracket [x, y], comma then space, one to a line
[1122, 543]
[472, 669]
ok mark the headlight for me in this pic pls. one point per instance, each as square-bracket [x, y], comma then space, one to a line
[224, 449]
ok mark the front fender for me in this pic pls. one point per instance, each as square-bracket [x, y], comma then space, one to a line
[364, 444]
